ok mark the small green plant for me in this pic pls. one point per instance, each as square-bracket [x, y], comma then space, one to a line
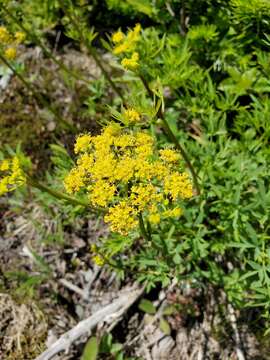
[103, 348]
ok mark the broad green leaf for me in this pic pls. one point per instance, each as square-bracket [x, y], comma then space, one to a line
[164, 326]
[90, 351]
[147, 306]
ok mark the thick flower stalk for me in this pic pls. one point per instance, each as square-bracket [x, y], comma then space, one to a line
[124, 173]
[11, 175]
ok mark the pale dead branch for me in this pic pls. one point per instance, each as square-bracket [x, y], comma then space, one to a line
[84, 327]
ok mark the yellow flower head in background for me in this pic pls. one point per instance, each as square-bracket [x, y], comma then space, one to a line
[9, 42]
[4, 35]
[98, 260]
[126, 43]
[131, 63]
[19, 37]
[10, 53]
[11, 175]
[123, 172]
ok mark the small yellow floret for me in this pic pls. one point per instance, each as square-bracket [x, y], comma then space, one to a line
[178, 185]
[75, 180]
[82, 143]
[4, 35]
[102, 193]
[14, 175]
[154, 218]
[132, 63]
[4, 165]
[10, 53]
[169, 155]
[118, 36]
[122, 48]
[98, 260]
[134, 35]
[122, 218]
[4, 182]
[176, 212]
[19, 37]
[131, 116]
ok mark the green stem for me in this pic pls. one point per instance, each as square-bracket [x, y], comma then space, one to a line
[92, 51]
[57, 194]
[178, 146]
[47, 52]
[143, 229]
[173, 138]
[40, 98]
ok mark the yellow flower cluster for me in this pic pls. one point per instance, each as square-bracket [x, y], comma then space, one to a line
[9, 42]
[125, 174]
[118, 37]
[11, 175]
[131, 116]
[131, 63]
[126, 43]
[98, 260]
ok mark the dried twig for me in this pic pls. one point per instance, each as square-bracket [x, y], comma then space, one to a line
[160, 304]
[233, 321]
[74, 288]
[119, 306]
[237, 339]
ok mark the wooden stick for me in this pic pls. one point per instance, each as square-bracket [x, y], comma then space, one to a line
[84, 327]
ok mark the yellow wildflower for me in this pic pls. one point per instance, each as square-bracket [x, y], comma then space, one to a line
[4, 182]
[10, 53]
[133, 35]
[154, 218]
[144, 139]
[132, 63]
[131, 116]
[127, 43]
[169, 155]
[104, 167]
[118, 36]
[122, 48]
[142, 196]
[19, 37]
[82, 143]
[178, 186]
[75, 180]
[124, 169]
[13, 175]
[123, 172]
[85, 162]
[4, 35]
[4, 165]
[102, 192]
[176, 212]
[98, 260]
[122, 218]
[124, 141]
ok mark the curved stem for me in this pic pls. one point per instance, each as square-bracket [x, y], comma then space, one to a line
[57, 194]
[173, 138]
[143, 230]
